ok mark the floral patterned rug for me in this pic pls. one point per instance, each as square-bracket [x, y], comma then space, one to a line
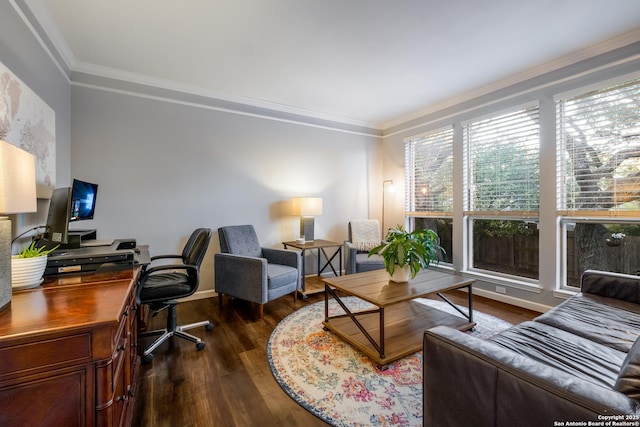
[342, 386]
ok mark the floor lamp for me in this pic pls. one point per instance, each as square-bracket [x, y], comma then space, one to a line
[17, 195]
[390, 181]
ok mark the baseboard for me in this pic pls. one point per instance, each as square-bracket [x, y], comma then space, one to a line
[200, 295]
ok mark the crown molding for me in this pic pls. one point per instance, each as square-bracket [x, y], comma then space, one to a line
[159, 93]
[238, 101]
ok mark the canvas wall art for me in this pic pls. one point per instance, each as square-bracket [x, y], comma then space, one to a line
[26, 121]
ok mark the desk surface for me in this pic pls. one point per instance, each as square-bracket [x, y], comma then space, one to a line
[74, 301]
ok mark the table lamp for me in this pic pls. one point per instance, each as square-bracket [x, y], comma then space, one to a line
[307, 208]
[17, 195]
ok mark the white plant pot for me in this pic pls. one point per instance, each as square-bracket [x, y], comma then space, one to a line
[401, 274]
[27, 273]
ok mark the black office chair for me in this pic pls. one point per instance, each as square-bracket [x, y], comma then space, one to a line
[161, 286]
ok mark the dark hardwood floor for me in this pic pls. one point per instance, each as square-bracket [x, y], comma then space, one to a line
[229, 383]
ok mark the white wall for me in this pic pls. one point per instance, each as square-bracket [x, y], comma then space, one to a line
[165, 168]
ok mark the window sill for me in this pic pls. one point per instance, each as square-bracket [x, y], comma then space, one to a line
[565, 293]
[529, 285]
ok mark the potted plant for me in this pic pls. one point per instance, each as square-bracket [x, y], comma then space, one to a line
[27, 268]
[406, 253]
[616, 239]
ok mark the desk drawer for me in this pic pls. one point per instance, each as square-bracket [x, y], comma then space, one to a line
[47, 354]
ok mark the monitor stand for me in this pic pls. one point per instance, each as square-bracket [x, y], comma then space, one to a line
[74, 240]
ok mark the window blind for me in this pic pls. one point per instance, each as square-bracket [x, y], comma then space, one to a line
[429, 177]
[502, 157]
[598, 143]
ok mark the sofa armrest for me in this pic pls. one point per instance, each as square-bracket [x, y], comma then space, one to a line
[620, 286]
[469, 381]
[241, 276]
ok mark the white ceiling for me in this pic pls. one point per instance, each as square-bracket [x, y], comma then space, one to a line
[373, 63]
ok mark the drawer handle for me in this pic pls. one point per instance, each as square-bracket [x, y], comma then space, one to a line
[122, 347]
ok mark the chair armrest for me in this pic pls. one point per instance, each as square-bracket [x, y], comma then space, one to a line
[612, 285]
[288, 257]
[350, 253]
[169, 256]
[497, 386]
[241, 276]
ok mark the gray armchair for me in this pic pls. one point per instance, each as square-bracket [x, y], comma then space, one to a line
[247, 271]
[364, 234]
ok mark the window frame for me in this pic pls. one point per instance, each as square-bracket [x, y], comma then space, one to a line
[512, 215]
[565, 216]
[410, 188]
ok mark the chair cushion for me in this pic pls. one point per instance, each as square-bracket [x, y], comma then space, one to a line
[280, 275]
[165, 286]
[364, 262]
[239, 240]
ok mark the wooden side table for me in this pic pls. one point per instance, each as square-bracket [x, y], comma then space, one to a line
[314, 284]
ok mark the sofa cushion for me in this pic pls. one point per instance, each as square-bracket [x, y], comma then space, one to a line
[607, 321]
[562, 350]
[628, 381]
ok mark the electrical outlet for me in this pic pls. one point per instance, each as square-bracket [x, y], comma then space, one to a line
[501, 289]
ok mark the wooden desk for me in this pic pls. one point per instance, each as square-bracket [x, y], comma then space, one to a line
[68, 352]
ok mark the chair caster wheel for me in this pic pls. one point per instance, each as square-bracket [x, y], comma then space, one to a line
[200, 346]
[147, 359]
[209, 327]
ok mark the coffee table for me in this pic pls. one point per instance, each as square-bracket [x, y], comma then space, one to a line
[395, 327]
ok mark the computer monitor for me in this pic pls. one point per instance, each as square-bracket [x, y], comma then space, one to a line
[58, 216]
[83, 200]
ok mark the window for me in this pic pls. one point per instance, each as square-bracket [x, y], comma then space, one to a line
[598, 175]
[429, 189]
[501, 197]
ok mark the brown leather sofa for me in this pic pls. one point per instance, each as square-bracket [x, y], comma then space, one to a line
[578, 362]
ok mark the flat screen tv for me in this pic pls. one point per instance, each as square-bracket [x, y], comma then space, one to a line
[83, 200]
[58, 216]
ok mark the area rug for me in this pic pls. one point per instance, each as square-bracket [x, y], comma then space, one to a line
[342, 386]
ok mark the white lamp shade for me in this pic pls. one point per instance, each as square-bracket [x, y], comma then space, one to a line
[17, 180]
[307, 206]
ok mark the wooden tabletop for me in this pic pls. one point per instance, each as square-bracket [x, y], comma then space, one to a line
[376, 288]
[74, 301]
[318, 243]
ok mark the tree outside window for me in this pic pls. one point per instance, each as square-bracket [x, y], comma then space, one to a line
[599, 178]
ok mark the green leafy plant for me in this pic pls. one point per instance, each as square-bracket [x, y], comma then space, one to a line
[31, 251]
[418, 249]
